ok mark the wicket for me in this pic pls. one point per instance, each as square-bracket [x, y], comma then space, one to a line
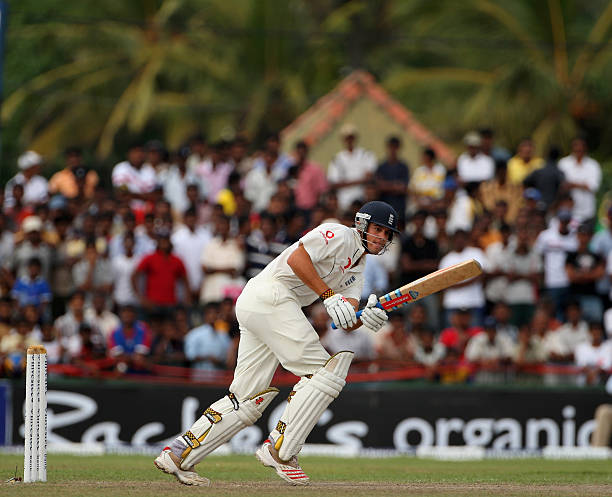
[35, 422]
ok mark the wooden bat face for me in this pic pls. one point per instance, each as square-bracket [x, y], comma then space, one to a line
[431, 283]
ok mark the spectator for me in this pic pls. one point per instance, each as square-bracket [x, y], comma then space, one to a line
[499, 189]
[7, 241]
[460, 214]
[223, 261]
[189, 242]
[93, 273]
[553, 245]
[427, 182]
[75, 180]
[497, 256]
[583, 177]
[157, 157]
[161, 270]
[490, 349]
[473, 165]
[594, 355]
[35, 187]
[260, 183]
[418, 258]
[198, 152]
[238, 156]
[427, 350]
[351, 168]
[395, 342]
[123, 265]
[282, 162]
[456, 336]
[469, 294]
[102, 319]
[51, 343]
[13, 346]
[523, 162]
[570, 334]
[536, 342]
[392, 178]
[32, 246]
[130, 344]
[213, 173]
[135, 178]
[232, 198]
[68, 325]
[32, 289]
[145, 236]
[262, 246]
[488, 147]
[584, 268]
[206, 347]
[62, 284]
[175, 181]
[6, 316]
[93, 348]
[501, 313]
[548, 179]
[310, 181]
[168, 347]
[376, 278]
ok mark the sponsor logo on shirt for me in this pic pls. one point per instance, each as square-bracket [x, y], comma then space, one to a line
[350, 281]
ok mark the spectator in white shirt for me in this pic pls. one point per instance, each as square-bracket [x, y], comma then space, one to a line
[122, 266]
[261, 183]
[460, 212]
[490, 348]
[473, 165]
[469, 294]
[583, 176]
[213, 173]
[570, 334]
[594, 355]
[189, 242]
[175, 181]
[35, 187]
[553, 245]
[133, 175]
[350, 168]
[99, 317]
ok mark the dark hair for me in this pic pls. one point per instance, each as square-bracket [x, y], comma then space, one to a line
[35, 261]
[429, 152]
[486, 133]
[190, 212]
[394, 141]
[301, 144]
[554, 152]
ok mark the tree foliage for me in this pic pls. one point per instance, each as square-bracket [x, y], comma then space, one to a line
[100, 73]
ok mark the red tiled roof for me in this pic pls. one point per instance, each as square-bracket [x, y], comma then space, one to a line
[331, 108]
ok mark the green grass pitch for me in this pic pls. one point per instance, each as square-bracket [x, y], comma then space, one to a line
[114, 475]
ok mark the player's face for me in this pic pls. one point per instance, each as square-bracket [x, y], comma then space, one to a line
[377, 237]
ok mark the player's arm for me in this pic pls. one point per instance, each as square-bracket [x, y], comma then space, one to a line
[340, 309]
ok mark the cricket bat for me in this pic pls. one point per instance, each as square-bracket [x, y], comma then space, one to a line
[428, 285]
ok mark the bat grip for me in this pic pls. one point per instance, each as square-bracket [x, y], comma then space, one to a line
[358, 313]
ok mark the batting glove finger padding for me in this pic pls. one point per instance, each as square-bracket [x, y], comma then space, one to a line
[373, 317]
[341, 311]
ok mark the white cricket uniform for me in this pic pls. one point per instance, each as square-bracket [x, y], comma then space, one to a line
[273, 327]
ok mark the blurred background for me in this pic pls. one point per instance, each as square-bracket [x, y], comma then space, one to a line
[213, 134]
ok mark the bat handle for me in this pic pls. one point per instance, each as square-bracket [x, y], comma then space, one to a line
[358, 313]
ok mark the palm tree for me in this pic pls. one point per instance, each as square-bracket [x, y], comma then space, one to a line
[526, 68]
[145, 61]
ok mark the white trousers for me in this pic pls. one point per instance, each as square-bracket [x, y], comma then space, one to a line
[273, 330]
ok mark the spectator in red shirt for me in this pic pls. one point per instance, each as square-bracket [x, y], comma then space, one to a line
[162, 271]
[457, 335]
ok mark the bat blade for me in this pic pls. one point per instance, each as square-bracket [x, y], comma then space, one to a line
[430, 284]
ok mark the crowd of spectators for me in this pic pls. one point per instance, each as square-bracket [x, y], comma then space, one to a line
[141, 265]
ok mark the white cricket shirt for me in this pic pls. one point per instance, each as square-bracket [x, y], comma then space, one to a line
[333, 249]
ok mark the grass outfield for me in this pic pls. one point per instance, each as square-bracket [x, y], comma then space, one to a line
[243, 475]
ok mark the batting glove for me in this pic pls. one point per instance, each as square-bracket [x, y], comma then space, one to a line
[341, 311]
[373, 317]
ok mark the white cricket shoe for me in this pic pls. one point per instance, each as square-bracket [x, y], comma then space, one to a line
[166, 464]
[290, 473]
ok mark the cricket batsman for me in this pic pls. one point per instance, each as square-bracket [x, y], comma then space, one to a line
[327, 263]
